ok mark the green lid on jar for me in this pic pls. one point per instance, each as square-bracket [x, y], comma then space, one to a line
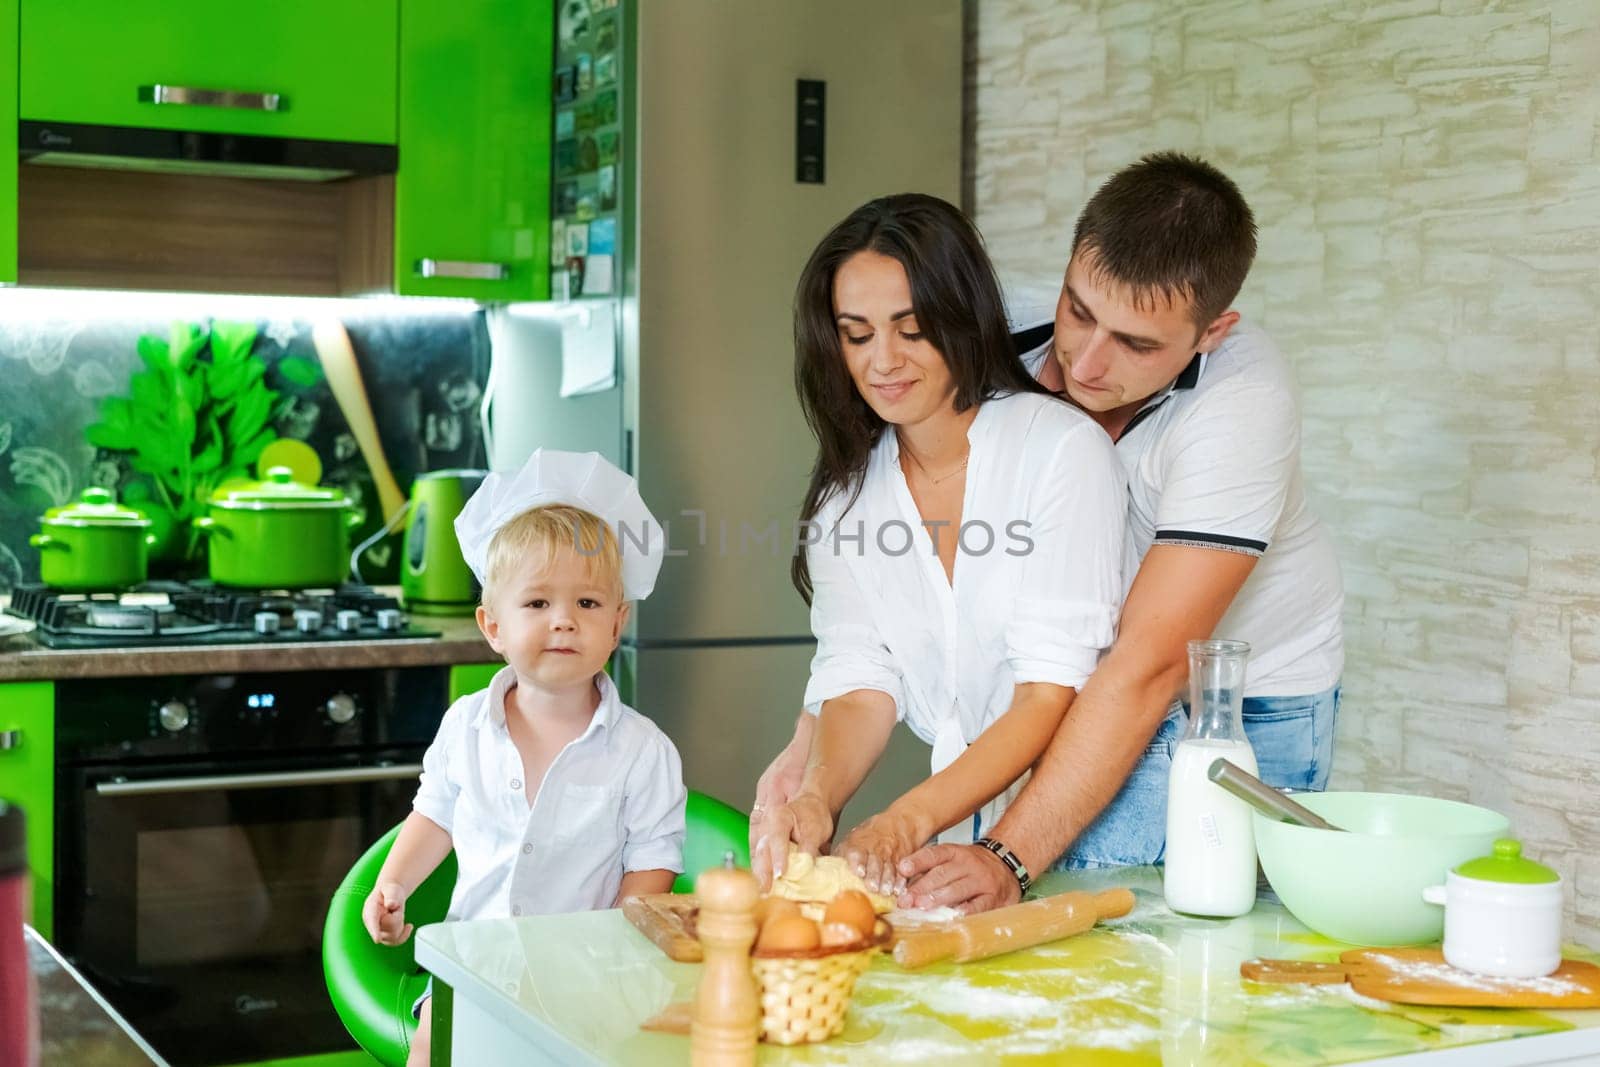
[278, 490]
[1507, 865]
[96, 507]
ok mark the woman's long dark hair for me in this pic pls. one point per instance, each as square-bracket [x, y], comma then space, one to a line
[958, 306]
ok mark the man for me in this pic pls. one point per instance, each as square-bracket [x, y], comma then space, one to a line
[1203, 414]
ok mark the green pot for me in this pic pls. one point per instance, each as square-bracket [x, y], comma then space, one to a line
[93, 544]
[278, 534]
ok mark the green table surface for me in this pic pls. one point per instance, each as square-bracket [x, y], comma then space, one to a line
[1150, 988]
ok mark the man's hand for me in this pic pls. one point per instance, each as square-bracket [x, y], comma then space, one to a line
[875, 848]
[969, 878]
[804, 822]
[384, 914]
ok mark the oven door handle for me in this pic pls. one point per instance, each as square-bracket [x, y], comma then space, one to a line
[274, 780]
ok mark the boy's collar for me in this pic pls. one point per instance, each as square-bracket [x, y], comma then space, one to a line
[605, 713]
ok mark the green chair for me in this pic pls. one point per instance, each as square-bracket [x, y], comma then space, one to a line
[373, 986]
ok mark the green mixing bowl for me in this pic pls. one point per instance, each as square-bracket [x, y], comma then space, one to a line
[1365, 886]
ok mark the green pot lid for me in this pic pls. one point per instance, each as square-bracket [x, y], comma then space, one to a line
[96, 507]
[278, 490]
[1507, 865]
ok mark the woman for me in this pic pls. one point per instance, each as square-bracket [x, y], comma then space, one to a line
[952, 583]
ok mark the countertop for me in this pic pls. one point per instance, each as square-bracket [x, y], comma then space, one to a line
[1153, 988]
[76, 1025]
[23, 658]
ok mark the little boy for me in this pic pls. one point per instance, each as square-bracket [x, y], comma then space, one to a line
[554, 794]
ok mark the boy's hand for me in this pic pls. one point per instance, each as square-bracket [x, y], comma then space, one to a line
[968, 878]
[384, 914]
[875, 848]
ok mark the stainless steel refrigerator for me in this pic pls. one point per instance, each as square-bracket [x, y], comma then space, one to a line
[715, 226]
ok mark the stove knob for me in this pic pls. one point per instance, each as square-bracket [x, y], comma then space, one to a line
[267, 622]
[307, 621]
[174, 716]
[341, 708]
[391, 619]
[348, 621]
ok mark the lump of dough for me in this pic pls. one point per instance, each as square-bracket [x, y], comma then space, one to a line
[821, 878]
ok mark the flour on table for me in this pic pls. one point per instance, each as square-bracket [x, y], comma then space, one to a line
[917, 916]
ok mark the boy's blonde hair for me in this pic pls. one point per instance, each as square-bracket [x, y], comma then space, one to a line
[535, 537]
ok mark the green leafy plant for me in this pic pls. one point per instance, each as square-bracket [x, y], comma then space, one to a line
[197, 414]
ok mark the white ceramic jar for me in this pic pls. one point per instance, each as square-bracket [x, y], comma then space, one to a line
[1502, 915]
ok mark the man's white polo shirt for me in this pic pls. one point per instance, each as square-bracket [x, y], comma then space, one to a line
[1213, 461]
[611, 801]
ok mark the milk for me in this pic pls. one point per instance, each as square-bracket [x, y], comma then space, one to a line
[1211, 846]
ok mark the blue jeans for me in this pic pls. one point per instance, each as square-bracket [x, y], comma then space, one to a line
[1293, 742]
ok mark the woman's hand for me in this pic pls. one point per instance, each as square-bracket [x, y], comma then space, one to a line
[875, 848]
[805, 823]
[384, 914]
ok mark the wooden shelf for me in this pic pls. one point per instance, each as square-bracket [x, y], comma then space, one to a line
[116, 229]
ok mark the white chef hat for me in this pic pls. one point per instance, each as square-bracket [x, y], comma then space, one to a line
[578, 479]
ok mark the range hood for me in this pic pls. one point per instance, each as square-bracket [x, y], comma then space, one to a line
[184, 152]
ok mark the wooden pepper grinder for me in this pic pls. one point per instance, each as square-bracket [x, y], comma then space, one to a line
[727, 1015]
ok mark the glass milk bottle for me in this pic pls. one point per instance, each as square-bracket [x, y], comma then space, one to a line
[1211, 847]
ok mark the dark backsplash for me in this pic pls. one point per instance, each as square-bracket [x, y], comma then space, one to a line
[423, 370]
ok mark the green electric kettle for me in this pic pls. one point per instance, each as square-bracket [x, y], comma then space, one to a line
[434, 579]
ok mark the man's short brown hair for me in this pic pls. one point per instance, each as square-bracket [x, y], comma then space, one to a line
[1171, 227]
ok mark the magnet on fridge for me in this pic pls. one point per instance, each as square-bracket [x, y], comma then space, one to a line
[558, 241]
[602, 236]
[578, 239]
[597, 275]
[566, 84]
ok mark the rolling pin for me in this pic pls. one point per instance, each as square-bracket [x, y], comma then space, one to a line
[992, 933]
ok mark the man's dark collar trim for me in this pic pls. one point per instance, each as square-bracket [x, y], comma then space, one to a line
[1191, 374]
[1025, 341]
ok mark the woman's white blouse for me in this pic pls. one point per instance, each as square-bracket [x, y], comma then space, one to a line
[1038, 578]
[611, 801]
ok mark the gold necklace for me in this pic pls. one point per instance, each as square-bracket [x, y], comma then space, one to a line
[943, 477]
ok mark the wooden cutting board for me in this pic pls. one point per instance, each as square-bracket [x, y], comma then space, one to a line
[668, 920]
[1421, 976]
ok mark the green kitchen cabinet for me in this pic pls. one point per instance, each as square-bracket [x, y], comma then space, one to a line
[470, 677]
[8, 146]
[313, 69]
[27, 779]
[472, 195]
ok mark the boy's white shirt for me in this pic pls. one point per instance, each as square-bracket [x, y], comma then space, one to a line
[611, 801]
[1213, 461]
[951, 657]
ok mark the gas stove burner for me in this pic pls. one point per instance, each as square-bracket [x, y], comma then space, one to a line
[167, 612]
[120, 615]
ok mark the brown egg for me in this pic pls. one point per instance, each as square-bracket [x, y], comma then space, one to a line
[852, 908]
[839, 934]
[769, 908]
[787, 933]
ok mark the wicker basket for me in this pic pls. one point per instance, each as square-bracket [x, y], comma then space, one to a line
[804, 994]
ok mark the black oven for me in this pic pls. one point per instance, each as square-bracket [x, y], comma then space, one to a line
[203, 823]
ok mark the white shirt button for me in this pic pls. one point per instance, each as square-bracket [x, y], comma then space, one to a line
[527, 850]
[516, 783]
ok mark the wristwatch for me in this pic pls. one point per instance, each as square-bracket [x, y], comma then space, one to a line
[1009, 858]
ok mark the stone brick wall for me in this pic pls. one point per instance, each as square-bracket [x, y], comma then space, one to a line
[1427, 183]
